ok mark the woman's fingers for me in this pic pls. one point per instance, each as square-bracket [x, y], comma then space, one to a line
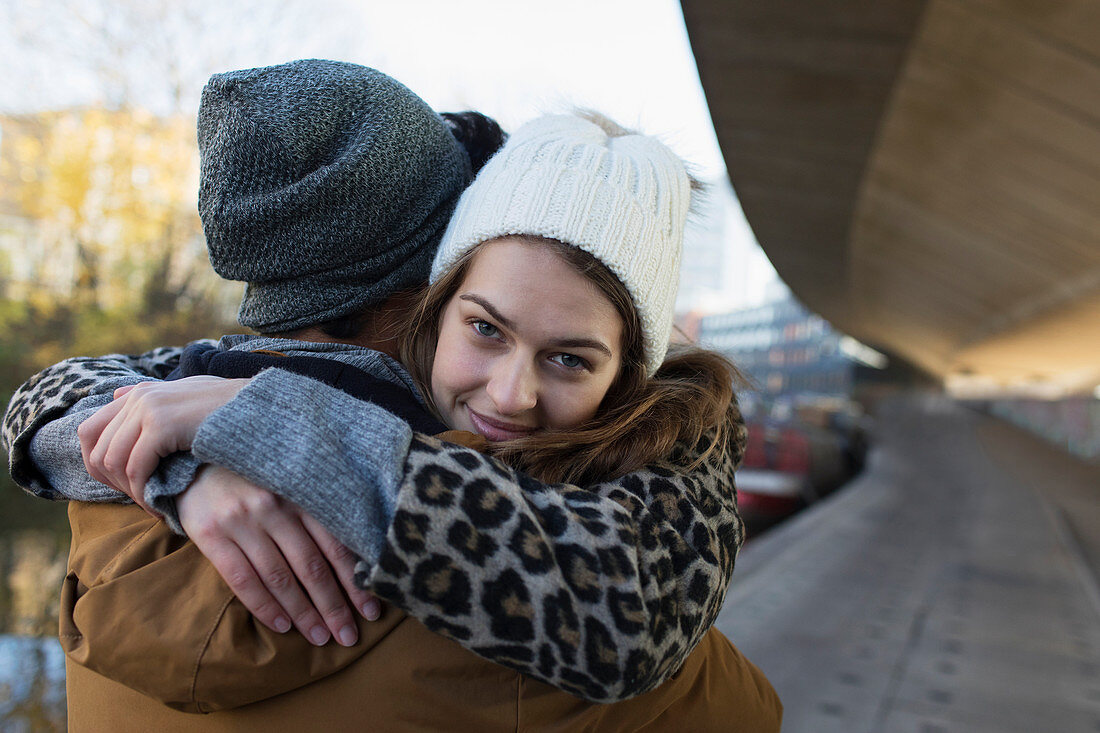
[124, 441]
[212, 511]
[113, 460]
[254, 569]
[95, 436]
[121, 391]
[143, 457]
[239, 574]
[89, 433]
[343, 564]
[313, 571]
[284, 564]
[280, 579]
[116, 457]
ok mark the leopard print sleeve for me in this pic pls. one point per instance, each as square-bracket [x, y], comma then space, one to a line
[601, 591]
[50, 393]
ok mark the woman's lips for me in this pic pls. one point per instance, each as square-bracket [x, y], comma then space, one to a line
[496, 430]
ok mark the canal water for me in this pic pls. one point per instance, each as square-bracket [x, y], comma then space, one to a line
[32, 684]
[32, 665]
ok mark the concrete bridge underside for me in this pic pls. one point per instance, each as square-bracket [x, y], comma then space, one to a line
[923, 173]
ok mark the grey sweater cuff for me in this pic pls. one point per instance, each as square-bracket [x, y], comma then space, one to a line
[337, 457]
[172, 477]
[54, 454]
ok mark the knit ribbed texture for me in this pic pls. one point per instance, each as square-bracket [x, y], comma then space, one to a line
[623, 199]
[278, 432]
[324, 185]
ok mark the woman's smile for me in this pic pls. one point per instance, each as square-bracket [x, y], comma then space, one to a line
[497, 429]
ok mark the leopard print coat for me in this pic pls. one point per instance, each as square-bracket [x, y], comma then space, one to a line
[601, 591]
[49, 394]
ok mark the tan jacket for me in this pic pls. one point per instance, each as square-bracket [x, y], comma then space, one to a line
[143, 607]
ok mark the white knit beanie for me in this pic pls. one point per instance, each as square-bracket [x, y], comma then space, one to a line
[622, 198]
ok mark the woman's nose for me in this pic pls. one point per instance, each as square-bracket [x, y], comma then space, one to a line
[513, 387]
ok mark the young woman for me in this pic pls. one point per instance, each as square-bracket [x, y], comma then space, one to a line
[594, 591]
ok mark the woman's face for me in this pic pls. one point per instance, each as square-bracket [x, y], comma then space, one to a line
[526, 343]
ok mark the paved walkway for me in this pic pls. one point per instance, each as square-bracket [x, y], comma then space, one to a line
[952, 587]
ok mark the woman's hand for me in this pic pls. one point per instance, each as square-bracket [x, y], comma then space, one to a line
[123, 442]
[277, 559]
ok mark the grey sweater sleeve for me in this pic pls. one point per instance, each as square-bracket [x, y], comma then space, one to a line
[40, 430]
[335, 456]
[55, 452]
[54, 392]
[172, 477]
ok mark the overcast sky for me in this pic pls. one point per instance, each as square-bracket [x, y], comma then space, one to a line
[630, 59]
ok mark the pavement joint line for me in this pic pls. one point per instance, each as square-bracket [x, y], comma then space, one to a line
[1076, 555]
[889, 699]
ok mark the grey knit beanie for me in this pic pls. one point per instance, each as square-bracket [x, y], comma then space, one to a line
[324, 185]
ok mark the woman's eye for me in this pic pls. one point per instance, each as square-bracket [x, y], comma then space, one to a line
[486, 329]
[569, 361]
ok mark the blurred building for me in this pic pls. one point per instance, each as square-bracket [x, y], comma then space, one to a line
[788, 351]
[1072, 423]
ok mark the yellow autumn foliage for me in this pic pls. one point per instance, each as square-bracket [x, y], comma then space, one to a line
[102, 216]
[101, 250]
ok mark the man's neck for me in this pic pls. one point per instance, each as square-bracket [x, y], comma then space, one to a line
[382, 327]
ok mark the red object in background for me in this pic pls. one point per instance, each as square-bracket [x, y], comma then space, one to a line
[793, 453]
[755, 454]
[774, 475]
[766, 497]
[795, 461]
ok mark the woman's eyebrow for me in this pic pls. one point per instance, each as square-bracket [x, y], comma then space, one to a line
[584, 344]
[473, 297]
[574, 343]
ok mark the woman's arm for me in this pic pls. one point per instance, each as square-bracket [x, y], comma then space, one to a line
[601, 591]
[661, 561]
[41, 432]
[65, 394]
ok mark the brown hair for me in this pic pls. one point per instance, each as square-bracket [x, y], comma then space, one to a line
[639, 421]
